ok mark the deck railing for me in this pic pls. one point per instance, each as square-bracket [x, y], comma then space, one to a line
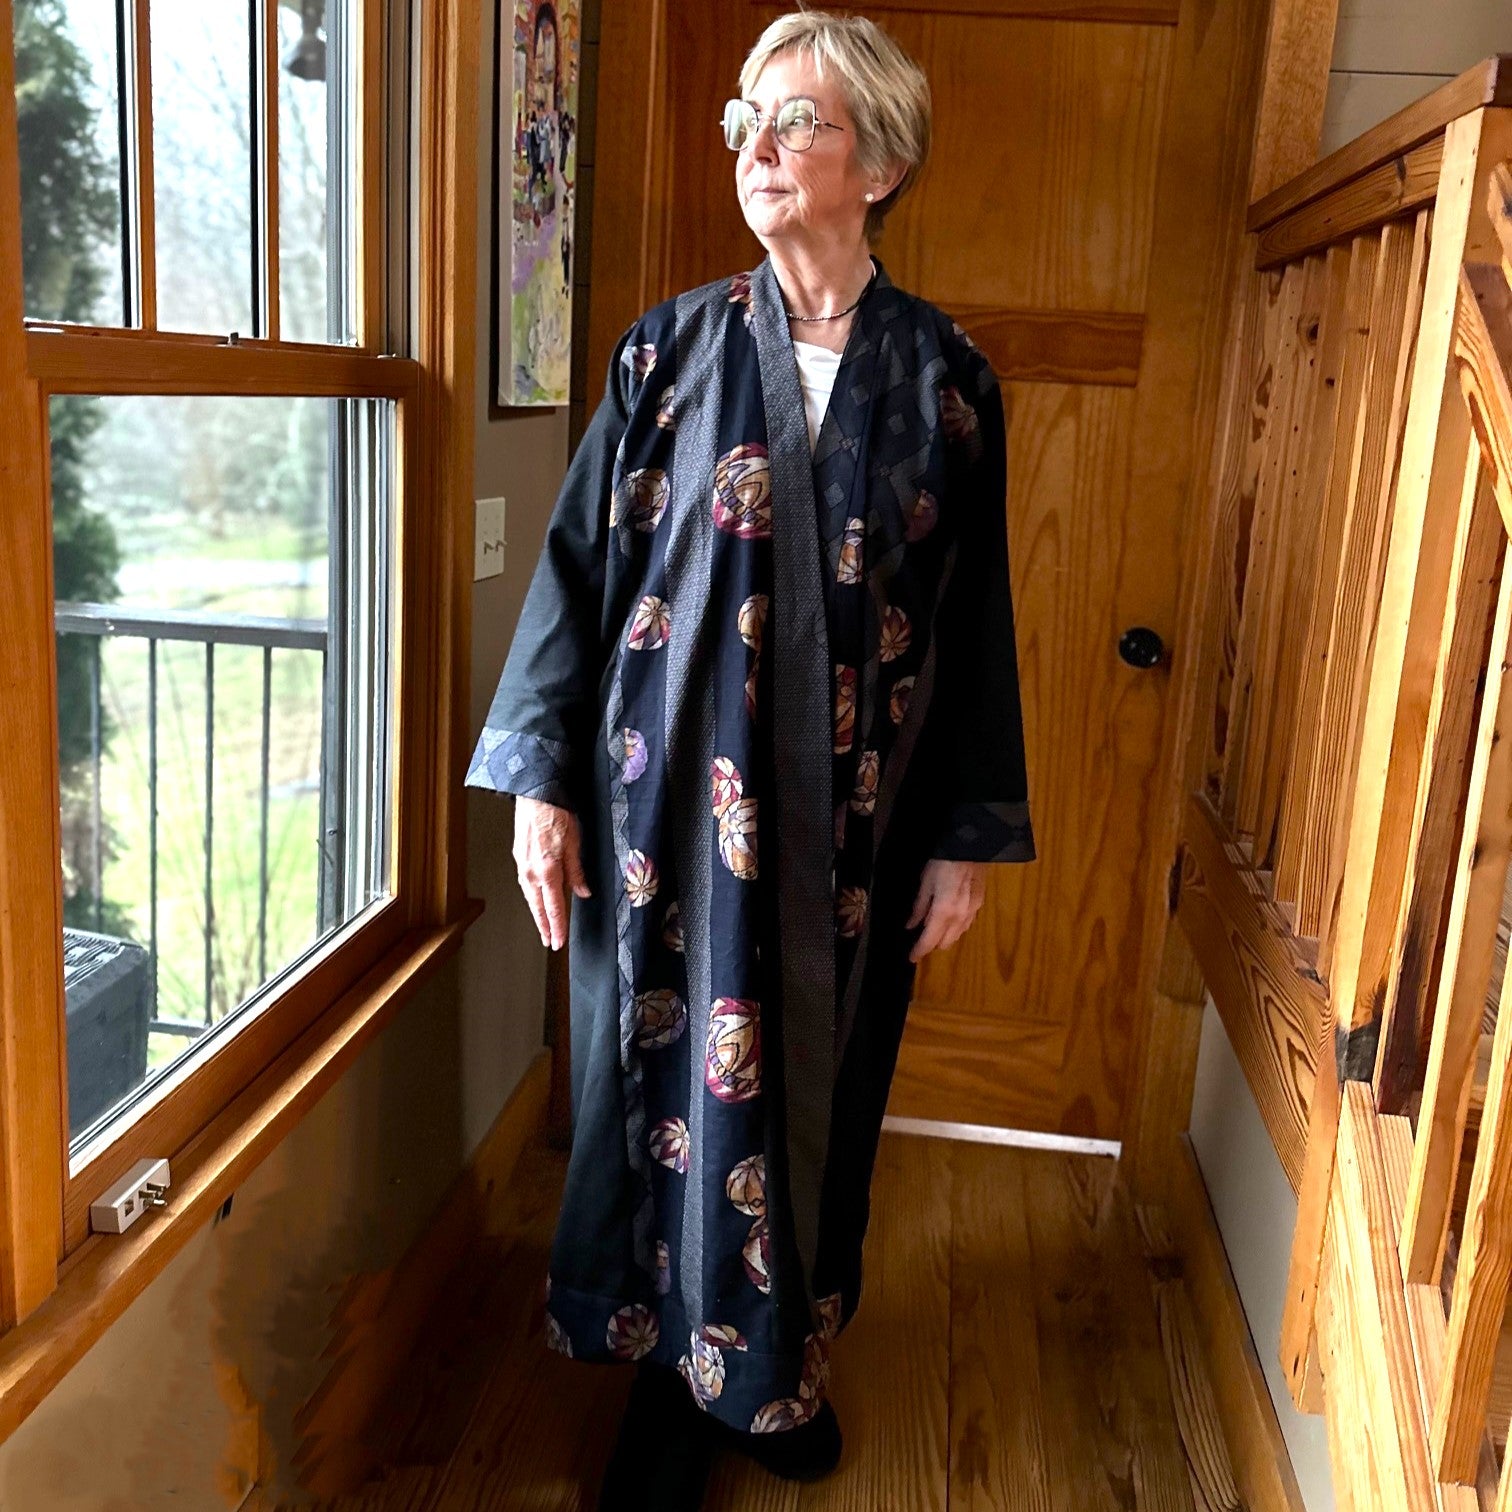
[100, 622]
[1348, 827]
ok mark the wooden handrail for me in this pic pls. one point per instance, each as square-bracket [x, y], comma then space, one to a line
[1488, 82]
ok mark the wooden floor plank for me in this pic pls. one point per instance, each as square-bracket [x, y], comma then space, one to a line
[540, 1432]
[1086, 1341]
[1163, 1468]
[997, 1436]
[1015, 1350]
[891, 1381]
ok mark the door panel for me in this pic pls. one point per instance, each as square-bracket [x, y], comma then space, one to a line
[1056, 205]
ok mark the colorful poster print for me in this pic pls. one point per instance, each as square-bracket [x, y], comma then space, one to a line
[538, 139]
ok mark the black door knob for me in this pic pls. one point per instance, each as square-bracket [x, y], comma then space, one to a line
[1141, 647]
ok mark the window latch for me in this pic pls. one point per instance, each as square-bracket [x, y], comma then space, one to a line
[144, 1186]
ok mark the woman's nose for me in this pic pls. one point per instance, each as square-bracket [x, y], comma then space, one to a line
[764, 141]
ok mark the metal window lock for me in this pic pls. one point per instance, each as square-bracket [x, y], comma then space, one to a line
[144, 1186]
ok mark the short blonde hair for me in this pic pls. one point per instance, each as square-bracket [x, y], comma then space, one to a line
[885, 91]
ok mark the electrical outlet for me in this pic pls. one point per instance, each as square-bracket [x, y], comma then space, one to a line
[488, 542]
[144, 1186]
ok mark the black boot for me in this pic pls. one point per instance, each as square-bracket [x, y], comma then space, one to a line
[661, 1458]
[806, 1453]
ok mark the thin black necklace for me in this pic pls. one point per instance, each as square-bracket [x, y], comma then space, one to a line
[838, 313]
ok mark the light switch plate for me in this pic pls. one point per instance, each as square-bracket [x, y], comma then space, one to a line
[488, 558]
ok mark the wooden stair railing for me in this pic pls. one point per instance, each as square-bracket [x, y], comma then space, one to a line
[1343, 869]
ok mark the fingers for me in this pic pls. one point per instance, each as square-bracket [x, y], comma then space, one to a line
[573, 860]
[555, 901]
[948, 912]
[547, 855]
[535, 898]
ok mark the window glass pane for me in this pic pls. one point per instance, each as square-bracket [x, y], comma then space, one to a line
[317, 136]
[202, 164]
[223, 582]
[67, 109]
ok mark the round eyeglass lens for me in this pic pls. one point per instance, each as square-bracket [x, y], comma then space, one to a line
[739, 123]
[795, 124]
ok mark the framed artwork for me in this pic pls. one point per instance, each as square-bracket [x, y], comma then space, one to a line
[538, 125]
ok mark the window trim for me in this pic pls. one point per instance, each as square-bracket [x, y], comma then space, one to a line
[248, 1094]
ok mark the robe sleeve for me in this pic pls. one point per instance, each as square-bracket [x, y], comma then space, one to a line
[975, 709]
[536, 740]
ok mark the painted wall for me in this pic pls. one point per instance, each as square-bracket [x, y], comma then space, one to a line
[193, 1392]
[1256, 1213]
[1387, 53]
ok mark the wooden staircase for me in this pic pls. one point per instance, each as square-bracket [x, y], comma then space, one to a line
[1343, 880]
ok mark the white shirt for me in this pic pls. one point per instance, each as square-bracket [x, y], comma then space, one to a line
[817, 367]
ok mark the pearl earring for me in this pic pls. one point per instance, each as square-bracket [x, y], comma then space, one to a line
[868, 199]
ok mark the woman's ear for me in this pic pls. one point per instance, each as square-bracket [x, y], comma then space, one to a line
[885, 183]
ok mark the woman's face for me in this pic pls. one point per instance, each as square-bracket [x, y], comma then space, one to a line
[817, 195]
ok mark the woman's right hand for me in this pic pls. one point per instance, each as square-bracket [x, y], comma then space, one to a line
[547, 854]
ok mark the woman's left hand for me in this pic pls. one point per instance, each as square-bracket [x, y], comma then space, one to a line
[950, 893]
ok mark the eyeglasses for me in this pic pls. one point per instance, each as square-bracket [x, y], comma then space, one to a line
[797, 120]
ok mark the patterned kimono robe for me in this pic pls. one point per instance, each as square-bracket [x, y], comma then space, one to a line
[771, 684]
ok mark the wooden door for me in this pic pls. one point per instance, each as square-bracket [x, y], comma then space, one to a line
[1085, 185]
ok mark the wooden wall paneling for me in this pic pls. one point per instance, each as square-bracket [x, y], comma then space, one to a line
[1054, 346]
[1469, 948]
[1345, 372]
[1205, 311]
[1168, 1033]
[1395, 304]
[630, 156]
[1479, 538]
[1265, 541]
[1269, 1000]
[1077, 112]
[1310, 470]
[1293, 89]
[714, 241]
[1394, 189]
[32, 1065]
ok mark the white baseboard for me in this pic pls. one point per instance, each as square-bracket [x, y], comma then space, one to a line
[1028, 1139]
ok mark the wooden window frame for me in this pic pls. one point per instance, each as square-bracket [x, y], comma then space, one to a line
[61, 1286]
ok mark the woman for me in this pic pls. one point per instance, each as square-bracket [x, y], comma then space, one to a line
[762, 715]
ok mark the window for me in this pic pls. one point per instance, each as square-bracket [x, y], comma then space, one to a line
[224, 702]
[243, 591]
